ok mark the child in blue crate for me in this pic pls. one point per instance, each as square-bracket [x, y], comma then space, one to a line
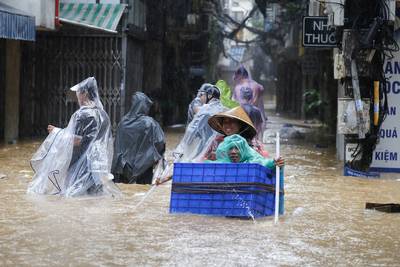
[238, 142]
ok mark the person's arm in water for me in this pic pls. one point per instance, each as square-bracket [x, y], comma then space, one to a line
[165, 176]
[160, 181]
[210, 155]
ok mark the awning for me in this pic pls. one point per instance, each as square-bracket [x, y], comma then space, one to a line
[97, 16]
[15, 24]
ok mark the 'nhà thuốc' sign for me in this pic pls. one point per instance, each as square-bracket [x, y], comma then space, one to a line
[317, 32]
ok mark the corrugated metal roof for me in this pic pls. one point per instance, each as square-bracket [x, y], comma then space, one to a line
[15, 24]
[98, 16]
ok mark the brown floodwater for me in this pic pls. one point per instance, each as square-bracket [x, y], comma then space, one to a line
[325, 222]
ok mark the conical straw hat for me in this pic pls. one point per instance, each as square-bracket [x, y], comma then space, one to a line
[238, 113]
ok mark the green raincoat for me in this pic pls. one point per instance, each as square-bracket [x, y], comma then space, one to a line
[247, 154]
[226, 94]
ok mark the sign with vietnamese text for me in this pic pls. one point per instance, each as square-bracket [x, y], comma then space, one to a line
[386, 157]
[317, 33]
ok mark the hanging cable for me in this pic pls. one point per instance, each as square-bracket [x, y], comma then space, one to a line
[384, 45]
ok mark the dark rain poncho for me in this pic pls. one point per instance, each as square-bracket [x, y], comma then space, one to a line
[76, 160]
[139, 142]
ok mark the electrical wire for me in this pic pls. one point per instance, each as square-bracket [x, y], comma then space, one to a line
[384, 44]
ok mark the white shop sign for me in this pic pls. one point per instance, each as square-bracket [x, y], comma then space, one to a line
[386, 157]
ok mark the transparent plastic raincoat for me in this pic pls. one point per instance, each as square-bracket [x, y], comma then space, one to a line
[196, 140]
[76, 160]
[139, 142]
[244, 85]
[198, 134]
[196, 103]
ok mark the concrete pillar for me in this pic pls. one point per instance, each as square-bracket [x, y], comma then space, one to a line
[340, 143]
[11, 111]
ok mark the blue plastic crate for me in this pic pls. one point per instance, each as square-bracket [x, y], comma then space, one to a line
[224, 189]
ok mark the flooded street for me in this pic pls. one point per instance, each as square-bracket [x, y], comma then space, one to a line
[325, 221]
[323, 76]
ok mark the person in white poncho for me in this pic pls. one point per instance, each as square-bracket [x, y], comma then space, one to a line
[76, 160]
[198, 134]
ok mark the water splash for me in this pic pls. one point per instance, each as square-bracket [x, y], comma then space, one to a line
[244, 204]
[298, 211]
